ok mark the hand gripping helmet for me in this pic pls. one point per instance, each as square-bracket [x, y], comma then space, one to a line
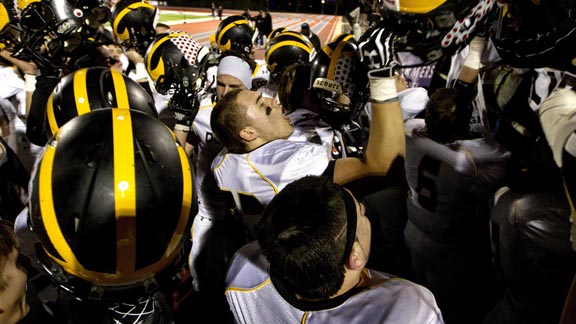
[94, 88]
[134, 23]
[9, 28]
[287, 48]
[339, 82]
[433, 28]
[111, 203]
[51, 31]
[176, 61]
[235, 33]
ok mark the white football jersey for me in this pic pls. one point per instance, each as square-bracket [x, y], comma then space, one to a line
[249, 181]
[308, 127]
[260, 75]
[446, 179]
[254, 299]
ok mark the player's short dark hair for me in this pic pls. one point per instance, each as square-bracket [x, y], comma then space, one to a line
[228, 118]
[8, 242]
[300, 234]
[294, 79]
[447, 116]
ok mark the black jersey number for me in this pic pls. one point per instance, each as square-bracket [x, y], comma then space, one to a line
[250, 204]
[426, 189]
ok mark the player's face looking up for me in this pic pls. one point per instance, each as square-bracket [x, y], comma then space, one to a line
[265, 117]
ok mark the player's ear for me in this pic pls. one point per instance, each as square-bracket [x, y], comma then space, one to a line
[357, 259]
[248, 134]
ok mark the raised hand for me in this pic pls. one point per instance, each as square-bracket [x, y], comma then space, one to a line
[376, 48]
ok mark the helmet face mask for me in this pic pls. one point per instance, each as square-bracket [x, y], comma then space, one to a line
[338, 82]
[50, 32]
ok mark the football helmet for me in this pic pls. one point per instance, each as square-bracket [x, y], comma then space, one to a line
[51, 31]
[235, 33]
[286, 48]
[9, 28]
[93, 88]
[339, 82]
[111, 202]
[176, 61]
[134, 23]
[96, 12]
[273, 33]
[431, 29]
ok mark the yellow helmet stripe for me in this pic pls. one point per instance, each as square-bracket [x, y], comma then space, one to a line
[417, 6]
[120, 90]
[50, 115]
[337, 52]
[187, 192]
[287, 43]
[227, 46]
[156, 72]
[124, 190]
[49, 219]
[81, 92]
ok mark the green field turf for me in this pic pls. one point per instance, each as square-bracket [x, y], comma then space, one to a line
[183, 16]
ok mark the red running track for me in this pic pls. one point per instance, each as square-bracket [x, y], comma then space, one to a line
[325, 26]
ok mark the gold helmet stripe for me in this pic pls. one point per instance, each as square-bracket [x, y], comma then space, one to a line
[120, 90]
[124, 190]
[126, 35]
[81, 92]
[337, 51]
[187, 192]
[50, 114]
[414, 6]
[49, 219]
[157, 71]
[228, 45]
[287, 43]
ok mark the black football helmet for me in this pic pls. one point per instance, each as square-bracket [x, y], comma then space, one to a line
[111, 203]
[235, 33]
[176, 61]
[337, 72]
[9, 27]
[433, 28]
[286, 48]
[51, 32]
[134, 23]
[94, 88]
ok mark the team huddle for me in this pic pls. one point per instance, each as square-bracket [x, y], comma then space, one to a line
[417, 168]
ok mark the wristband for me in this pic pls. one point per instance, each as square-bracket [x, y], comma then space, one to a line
[475, 53]
[182, 127]
[383, 89]
[29, 82]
